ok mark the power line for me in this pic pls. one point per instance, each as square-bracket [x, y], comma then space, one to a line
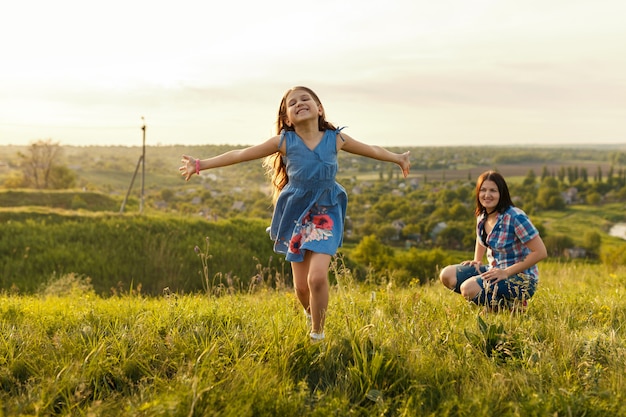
[22, 125]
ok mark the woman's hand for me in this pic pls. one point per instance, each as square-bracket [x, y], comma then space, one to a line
[476, 264]
[188, 168]
[494, 275]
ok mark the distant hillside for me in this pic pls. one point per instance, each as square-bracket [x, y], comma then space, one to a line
[69, 200]
[111, 169]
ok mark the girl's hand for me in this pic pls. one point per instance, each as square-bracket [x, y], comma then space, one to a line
[188, 168]
[405, 163]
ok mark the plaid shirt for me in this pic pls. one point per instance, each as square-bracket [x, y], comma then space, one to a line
[505, 244]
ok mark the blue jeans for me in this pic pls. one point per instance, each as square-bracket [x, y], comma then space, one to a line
[516, 287]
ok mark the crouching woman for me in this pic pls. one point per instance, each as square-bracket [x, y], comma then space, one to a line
[511, 244]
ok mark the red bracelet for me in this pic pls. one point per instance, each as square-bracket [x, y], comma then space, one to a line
[197, 167]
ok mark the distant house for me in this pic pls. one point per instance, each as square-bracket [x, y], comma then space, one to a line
[574, 253]
[437, 229]
[570, 196]
[398, 225]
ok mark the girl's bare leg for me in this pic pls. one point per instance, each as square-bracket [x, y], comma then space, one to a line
[300, 282]
[310, 279]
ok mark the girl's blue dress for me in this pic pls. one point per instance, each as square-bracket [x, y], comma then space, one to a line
[310, 211]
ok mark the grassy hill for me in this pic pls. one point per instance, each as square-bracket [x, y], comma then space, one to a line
[389, 351]
[114, 314]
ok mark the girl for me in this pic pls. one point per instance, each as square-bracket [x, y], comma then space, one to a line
[309, 205]
[512, 245]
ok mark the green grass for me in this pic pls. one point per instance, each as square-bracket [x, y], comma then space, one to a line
[63, 199]
[577, 220]
[389, 352]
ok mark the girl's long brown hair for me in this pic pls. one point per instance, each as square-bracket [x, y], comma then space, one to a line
[274, 165]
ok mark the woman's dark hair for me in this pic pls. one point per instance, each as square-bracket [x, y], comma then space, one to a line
[274, 164]
[505, 197]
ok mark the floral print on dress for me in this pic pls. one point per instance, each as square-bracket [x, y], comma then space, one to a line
[316, 225]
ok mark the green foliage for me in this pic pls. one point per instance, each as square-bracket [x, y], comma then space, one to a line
[67, 285]
[372, 253]
[593, 198]
[149, 253]
[549, 195]
[421, 266]
[73, 200]
[41, 167]
[556, 244]
[592, 241]
[613, 257]
[119, 253]
[61, 178]
[388, 206]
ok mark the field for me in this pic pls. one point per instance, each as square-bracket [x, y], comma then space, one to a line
[389, 352]
[109, 314]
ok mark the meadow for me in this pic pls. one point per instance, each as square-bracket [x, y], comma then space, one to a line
[110, 314]
[418, 351]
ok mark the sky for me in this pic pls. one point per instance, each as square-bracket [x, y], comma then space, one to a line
[396, 73]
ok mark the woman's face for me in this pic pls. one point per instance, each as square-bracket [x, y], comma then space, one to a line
[489, 195]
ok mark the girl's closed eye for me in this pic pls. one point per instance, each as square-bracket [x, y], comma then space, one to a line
[303, 98]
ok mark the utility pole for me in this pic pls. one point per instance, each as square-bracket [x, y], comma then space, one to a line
[143, 173]
[143, 165]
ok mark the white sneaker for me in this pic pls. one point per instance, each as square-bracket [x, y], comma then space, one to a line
[317, 337]
[309, 320]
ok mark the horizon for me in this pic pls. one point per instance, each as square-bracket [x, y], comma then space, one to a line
[406, 73]
[532, 146]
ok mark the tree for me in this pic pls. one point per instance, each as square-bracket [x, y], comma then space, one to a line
[39, 162]
[372, 252]
[61, 178]
[593, 198]
[584, 175]
[452, 237]
[556, 244]
[549, 197]
[530, 178]
[592, 242]
[14, 180]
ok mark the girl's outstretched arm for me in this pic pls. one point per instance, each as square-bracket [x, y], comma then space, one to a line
[351, 145]
[235, 156]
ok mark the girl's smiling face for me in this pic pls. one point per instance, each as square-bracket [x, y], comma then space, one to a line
[302, 106]
[489, 195]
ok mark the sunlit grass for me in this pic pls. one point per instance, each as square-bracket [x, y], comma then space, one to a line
[389, 351]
